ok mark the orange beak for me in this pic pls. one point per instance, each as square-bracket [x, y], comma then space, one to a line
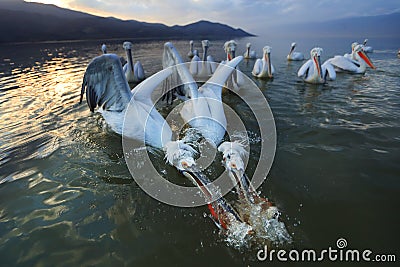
[366, 59]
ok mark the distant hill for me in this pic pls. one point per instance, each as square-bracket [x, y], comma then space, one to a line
[33, 22]
[366, 26]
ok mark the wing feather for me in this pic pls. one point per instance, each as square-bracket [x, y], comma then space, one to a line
[105, 84]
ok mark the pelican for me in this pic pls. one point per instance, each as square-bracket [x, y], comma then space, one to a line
[104, 48]
[236, 79]
[263, 68]
[367, 49]
[133, 73]
[357, 64]
[107, 89]
[204, 67]
[249, 54]
[313, 72]
[295, 56]
[190, 53]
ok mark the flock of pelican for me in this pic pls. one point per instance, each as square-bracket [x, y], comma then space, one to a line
[107, 85]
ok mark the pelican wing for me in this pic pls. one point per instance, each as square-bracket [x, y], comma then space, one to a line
[344, 63]
[257, 67]
[328, 69]
[303, 71]
[105, 84]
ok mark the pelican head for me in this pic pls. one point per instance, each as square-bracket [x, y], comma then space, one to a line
[230, 48]
[191, 42]
[248, 45]
[353, 45]
[233, 155]
[180, 155]
[316, 57]
[127, 45]
[359, 50]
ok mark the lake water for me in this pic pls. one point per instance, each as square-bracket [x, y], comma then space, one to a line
[68, 199]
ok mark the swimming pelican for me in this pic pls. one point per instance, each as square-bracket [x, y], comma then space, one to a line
[313, 72]
[295, 56]
[236, 79]
[190, 53]
[249, 54]
[367, 49]
[263, 68]
[357, 65]
[104, 48]
[133, 73]
[204, 67]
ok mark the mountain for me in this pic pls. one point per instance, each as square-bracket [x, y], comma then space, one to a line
[34, 22]
[371, 26]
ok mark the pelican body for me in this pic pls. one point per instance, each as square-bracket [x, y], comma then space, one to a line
[294, 56]
[356, 63]
[263, 68]
[313, 72]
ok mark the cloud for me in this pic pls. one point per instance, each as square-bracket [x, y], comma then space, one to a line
[256, 15]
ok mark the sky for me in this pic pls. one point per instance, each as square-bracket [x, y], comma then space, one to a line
[250, 15]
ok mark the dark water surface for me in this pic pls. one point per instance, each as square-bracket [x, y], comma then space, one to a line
[68, 199]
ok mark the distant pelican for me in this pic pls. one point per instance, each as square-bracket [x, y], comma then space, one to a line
[133, 73]
[313, 72]
[357, 65]
[249, 54]
[190, 53]
[236, 79]
[104, 48]
[295, 56]
[263, 68]
[367, 49]
[204, 67]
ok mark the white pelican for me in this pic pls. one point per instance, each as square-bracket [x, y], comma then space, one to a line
[133, 73]
[367, 49]
[190, 53]
[295, 56]
[236, 79]
[357, 64]
[104, 48]
[263, 68]
[249, 54]
[204, 67]
[313, 72]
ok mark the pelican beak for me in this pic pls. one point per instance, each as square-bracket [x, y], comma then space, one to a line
[269, 65]
[131, 61]
[366, 59]
[240, 179]
[317, 61]
[233, 54]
